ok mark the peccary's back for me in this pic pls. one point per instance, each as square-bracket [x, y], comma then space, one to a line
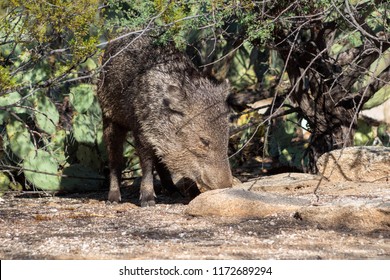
[135, 74]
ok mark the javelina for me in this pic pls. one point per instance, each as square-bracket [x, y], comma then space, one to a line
[178, 118]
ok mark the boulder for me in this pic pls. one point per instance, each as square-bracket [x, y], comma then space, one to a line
[372, 216]
[359, 164]
[241, 203]
[308, 198]
[286, 183]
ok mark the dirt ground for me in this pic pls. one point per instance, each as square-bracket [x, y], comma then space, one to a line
[83, 226]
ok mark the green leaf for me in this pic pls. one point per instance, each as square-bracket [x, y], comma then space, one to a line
[57, 146]
[378, 98]
[88, 156]
[46, 114]
[89, 64]
[41, 169]
[364, 135]
[376, 68]
[9, 99]
[4, 182]
[81, 97]
[84, 129]
[19, 138]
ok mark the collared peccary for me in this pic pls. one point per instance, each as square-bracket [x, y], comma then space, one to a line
[179, 119]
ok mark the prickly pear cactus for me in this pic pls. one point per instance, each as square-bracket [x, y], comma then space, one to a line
[10, 102]
[79, 177]
[19, 138]
[46, 114]
[4, 182]
[41, 170]
[84, 128]
[52, 156]
[82, 97]
[57, 146]
[7, 184]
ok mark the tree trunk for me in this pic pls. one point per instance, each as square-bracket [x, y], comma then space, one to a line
[321, 87]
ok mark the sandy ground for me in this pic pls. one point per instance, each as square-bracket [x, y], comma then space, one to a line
[83, 226]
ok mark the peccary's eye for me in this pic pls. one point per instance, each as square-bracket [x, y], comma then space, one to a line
[171, 107]
[205, 142]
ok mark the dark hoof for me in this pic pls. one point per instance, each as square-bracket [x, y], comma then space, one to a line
[114, 196]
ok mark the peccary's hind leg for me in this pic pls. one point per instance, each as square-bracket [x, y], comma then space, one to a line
[114, 136]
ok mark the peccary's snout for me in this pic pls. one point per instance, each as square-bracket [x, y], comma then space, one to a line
[215, 178]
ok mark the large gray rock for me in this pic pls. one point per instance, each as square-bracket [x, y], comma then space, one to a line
[359, 164]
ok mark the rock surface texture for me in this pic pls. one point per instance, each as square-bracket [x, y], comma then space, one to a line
[353, 191]
[359, 164]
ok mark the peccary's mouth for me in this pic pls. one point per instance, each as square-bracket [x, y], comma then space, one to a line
[201, 184]
[205, 184]
[202, 187]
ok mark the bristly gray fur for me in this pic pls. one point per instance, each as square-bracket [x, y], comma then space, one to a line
[179, 118]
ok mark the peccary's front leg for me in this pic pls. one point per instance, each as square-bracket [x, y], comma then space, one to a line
[147, 195]
[114, 136]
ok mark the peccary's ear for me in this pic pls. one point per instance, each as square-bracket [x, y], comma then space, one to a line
[175, 99]
[226, 88]
[228, 94]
